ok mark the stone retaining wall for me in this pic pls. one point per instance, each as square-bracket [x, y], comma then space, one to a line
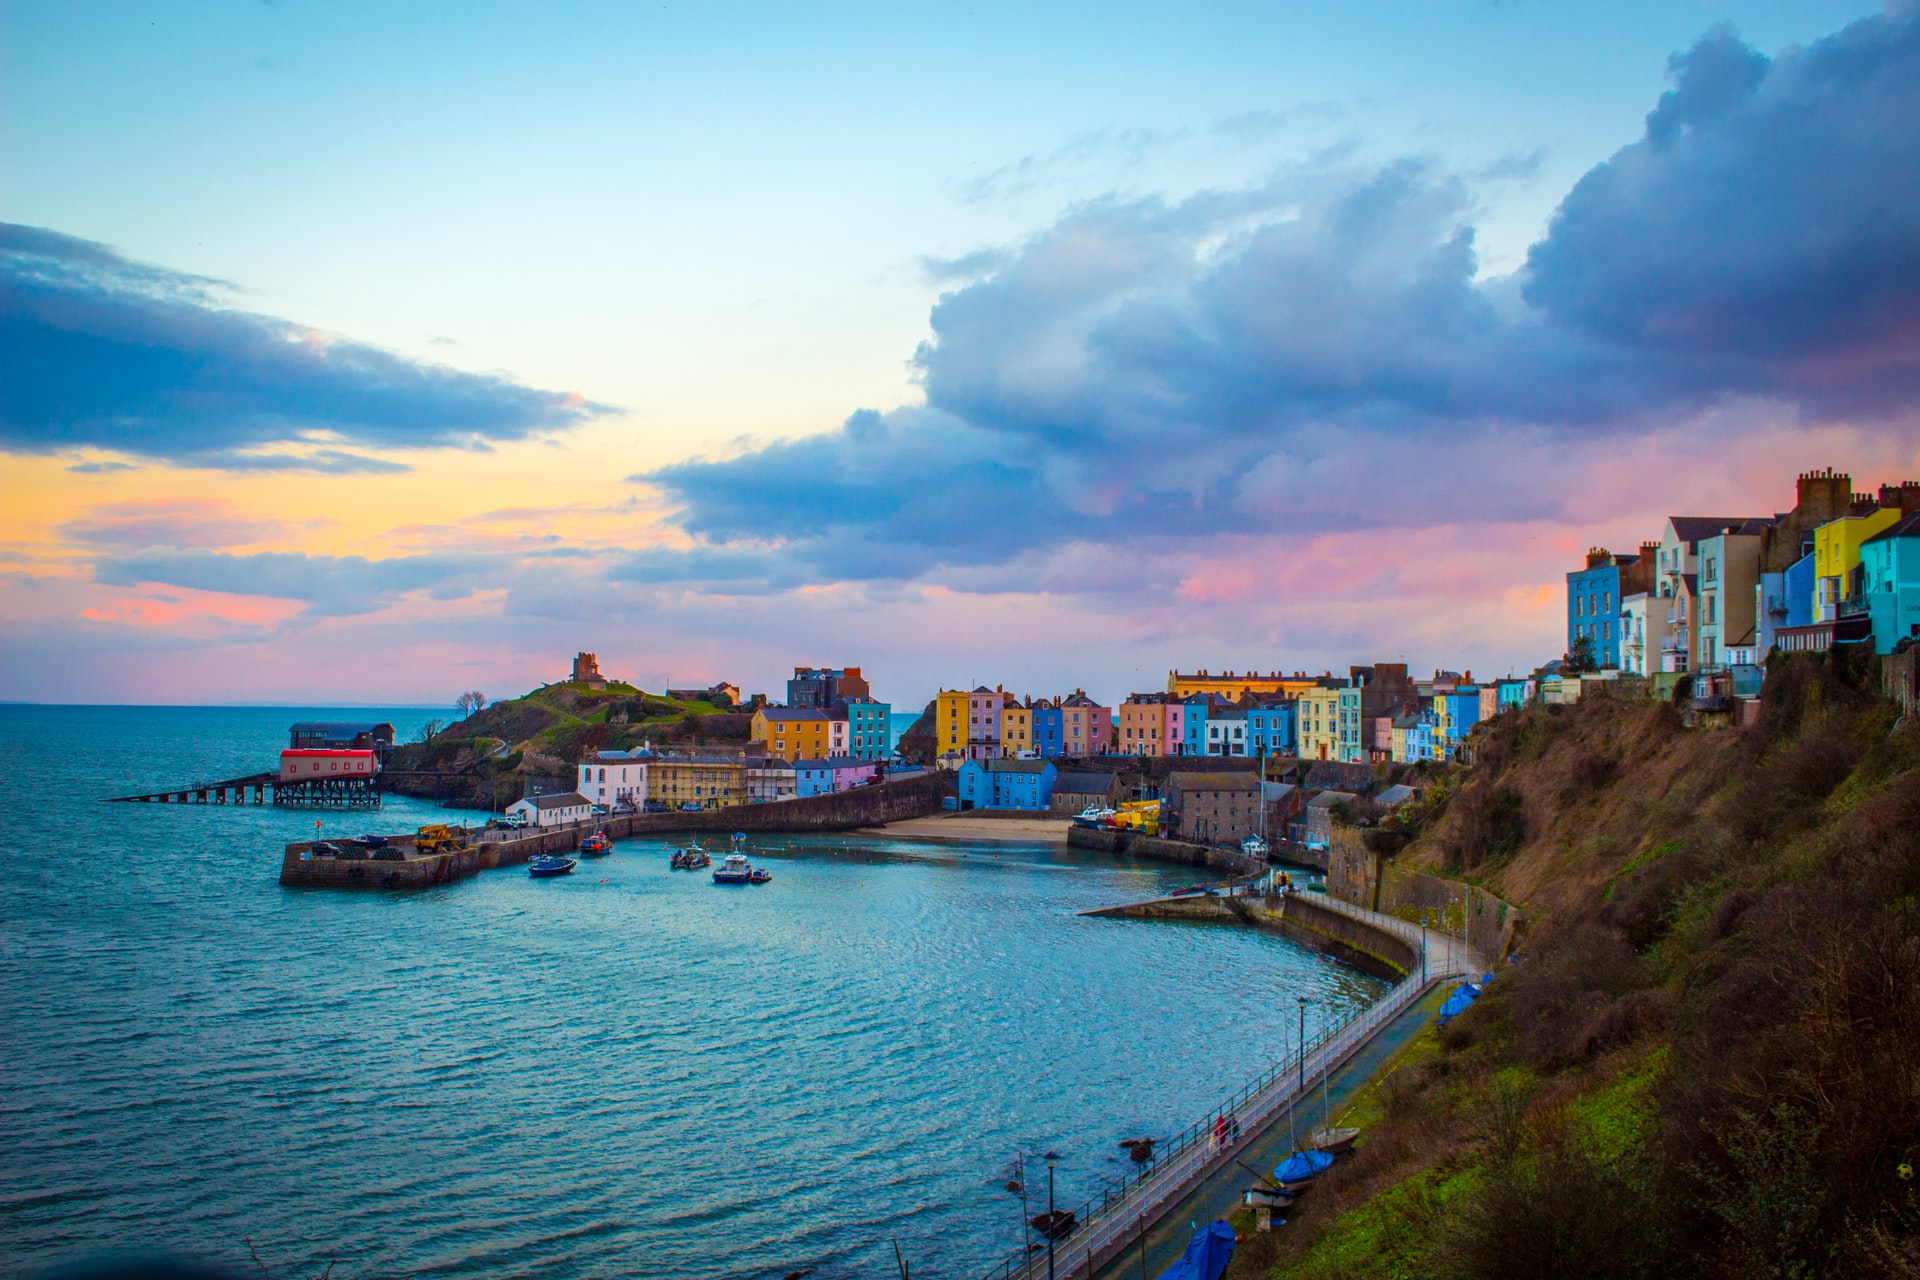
[1230, 861]
[1297, 916]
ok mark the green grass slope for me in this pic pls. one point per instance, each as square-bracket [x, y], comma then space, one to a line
[1708, 1062]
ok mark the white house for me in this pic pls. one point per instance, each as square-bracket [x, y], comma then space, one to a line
[551, 811]
[1227, 733]
[771, 779]
[611, 777]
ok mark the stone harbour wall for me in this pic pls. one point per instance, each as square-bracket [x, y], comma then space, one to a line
[918, 797]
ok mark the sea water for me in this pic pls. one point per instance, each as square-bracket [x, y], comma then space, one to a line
[628, 1071]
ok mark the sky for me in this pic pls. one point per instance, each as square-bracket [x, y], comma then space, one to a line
[372, 353]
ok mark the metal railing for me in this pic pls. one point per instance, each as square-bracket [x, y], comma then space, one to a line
[1123, 1206]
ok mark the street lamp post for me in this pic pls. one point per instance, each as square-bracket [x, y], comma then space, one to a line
[1303, 1002]
[1051, 1157]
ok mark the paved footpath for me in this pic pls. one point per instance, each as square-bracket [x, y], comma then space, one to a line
[1109, 1229]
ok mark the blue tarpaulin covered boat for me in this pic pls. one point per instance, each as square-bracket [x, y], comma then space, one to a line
[1206, 1256]
[1459, 1002]
[1302, 1166]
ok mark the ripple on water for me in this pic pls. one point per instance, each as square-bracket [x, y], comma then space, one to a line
[634, 1073]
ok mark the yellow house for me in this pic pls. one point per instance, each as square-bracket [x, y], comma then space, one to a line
[1233, 687]
[798, 733]
[1836, 558]
[707, 783]
[1016, 730]
[950, 721]
[1319, 734]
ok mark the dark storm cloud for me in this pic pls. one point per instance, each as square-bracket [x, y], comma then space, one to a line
[99, 351]
[1766, 230]
[1321, 349]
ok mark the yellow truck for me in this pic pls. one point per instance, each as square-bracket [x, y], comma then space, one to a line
[436, 837]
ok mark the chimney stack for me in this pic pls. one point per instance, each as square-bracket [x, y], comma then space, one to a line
[1823, 495]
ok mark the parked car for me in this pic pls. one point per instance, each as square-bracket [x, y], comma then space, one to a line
[598, 811]
[326, 849]
[659, 806]
[689, 807]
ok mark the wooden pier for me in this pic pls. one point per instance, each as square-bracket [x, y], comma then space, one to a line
[269, 788]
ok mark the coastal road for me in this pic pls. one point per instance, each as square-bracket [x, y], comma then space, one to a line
[1110, 1229]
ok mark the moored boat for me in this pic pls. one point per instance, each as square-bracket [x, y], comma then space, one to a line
[1268, 1198]
[1254, 847]
[546, 865]
[596, 845]
[1096, 816]
[1298, 1170]
[733, 871]
[1336, 1141]
[759, 875]
[689, 859]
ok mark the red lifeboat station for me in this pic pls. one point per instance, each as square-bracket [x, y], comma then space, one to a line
[303, 764]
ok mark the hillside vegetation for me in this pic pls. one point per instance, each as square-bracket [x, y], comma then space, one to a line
[1706, 1062]
[488, 759]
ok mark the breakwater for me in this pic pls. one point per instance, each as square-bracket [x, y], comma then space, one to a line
[1231, 861]
[488, 850]
[1346, 935]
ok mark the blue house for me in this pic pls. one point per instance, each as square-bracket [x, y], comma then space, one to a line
[1593, 606]
[835, 773]
[869, 729]
[1007, 784]
[1457, 713]
[1049, 731]
[1514, 694]
[1270, 730]
[1193, 724]
[1890, 581]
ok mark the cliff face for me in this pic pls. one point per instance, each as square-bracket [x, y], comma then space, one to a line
[1705, 1063]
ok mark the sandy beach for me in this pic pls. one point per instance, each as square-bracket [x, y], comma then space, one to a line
[961, 828]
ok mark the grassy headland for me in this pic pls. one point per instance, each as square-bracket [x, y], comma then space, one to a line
[1707, 1062]
[487, 760]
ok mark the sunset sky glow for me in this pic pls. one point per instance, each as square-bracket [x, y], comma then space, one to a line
[357, 353]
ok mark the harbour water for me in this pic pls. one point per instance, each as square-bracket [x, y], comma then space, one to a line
[625, 1072]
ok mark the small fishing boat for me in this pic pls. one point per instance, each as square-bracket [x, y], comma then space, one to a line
[1336, 1141]
[734, 870]
[1254, 847]
[596, 845]
[1268, 1198]
[1094, 816]
[546, 865]
[759, 875]
[689, 859]
[1301, 1168]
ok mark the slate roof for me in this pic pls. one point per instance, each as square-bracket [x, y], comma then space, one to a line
[1396, 795]
[1905, 527]
[1080, 782]
[1690, 529]
[795, 713]
[1212, 782]
[563, 800]
[1328, 799]
[1016, 766]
